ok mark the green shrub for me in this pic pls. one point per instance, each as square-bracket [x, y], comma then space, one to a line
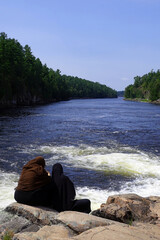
[8, 235]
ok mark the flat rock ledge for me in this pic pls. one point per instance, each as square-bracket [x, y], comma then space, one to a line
[39, 223]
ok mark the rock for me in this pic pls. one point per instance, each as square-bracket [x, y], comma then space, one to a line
[155, 207]
[47, 233]
[39, 223]
[121, 232]
[114, 212]
[81, 222]
[5, 216]
[23, 236]
[16, 224]
[38, 215]
[117, 231]
[156, 101]
[130, 207]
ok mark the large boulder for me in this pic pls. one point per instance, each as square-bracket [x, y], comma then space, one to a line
[111, 232]
[127, 208]
[24, 218]
[17, 224]
[46, 233]
[80, 222]
[39, 223]
[39, 215]
[121, 232]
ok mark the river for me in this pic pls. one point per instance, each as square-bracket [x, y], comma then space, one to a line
[106, 146]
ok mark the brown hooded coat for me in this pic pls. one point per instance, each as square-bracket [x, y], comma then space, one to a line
[33, 175]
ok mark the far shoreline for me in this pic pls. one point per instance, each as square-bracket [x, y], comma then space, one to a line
[11, 105]
[157, 102]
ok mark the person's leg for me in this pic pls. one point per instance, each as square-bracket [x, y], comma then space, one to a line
[23, 196]
[82, 205]
[41, 196]
[49, 196]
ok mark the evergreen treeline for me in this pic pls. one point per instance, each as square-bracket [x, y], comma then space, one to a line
[120, 93]
[25, 80]
[145, 87]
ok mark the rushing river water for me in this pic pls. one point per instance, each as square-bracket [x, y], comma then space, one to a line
[106, 146]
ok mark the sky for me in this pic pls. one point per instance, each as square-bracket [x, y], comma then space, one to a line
[105, 41]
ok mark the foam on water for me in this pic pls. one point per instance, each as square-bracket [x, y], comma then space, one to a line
[124, 161]
[142, 187]
[145, 169]
[8, 181]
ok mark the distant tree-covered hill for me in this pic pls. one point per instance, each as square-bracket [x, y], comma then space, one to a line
[25, 80]
[145, 87]
[120, 93]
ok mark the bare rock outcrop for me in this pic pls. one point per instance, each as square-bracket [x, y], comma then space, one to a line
[80, 222]
[29, 222]
[128, 208]
[38, 215]
[46, 233]
[142, 216]
[121, 232]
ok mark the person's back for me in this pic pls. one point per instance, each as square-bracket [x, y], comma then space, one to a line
[34, 185]
[66, 193]
[33, 175]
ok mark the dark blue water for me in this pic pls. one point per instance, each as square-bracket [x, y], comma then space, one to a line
[92, 129]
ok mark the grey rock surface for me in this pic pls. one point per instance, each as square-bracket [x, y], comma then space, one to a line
[127, 208]
[39, 223]
[80, 222]
[39, 215]
[121, 232]
[47, 233]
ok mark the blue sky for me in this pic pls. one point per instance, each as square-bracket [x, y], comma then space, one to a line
[106, 41]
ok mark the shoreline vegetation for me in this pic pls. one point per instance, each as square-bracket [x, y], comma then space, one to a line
[145, 88]
[143, 100]
[24, 80]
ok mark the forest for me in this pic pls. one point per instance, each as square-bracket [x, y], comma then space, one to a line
[24, 80]
[146, 87]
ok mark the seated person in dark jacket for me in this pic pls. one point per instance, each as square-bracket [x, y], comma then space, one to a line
[34, 186]
[65, 193]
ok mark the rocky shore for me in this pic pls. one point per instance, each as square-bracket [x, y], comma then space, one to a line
[122, 217]
[142, 100]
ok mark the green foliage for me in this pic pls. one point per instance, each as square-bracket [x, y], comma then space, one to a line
[145, 87]
[25, 80]
[81, 88]
[8, 235]
[130, 222]
[120, 93]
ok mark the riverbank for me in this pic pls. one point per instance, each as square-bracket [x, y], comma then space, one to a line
[122, 217]
[142, 100]
[37, 102]
[29, 103]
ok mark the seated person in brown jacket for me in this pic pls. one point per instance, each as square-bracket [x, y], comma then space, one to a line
[34, 186]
